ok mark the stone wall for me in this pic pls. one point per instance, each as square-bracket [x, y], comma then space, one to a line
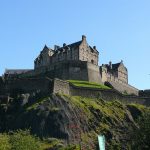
[76, 51]
[93, 73]
[108, 95]
[69, 70]
[87, 53]
[122, 73]
[123, 88]
[46, 85]
[144, 93]
[61, 86]
[28, 85]
[114, 72]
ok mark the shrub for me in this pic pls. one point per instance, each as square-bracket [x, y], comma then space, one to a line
[22, 140]
[4, 142]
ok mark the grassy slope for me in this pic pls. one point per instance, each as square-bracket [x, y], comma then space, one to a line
[110, 118]
[88, 84]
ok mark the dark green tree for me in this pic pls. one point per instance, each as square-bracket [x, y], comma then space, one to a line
[141, 135]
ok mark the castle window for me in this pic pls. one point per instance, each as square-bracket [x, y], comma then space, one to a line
[92, 61]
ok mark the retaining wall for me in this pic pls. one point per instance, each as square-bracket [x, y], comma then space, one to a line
[124, 88]
[108, 95]
[27, 85]
[144, 93]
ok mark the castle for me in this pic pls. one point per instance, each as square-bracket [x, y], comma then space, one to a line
[76, 61]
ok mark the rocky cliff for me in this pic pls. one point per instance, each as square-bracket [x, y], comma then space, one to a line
[72, 119]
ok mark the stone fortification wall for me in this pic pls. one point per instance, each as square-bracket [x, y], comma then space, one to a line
[74, 70]
[28, 85]
[61, 86]
[144, 93]
[108, 95]
[93, 73]
[123, 88]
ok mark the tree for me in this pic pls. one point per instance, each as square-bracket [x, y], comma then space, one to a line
[141, 135]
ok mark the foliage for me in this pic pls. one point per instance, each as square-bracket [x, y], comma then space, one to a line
[37, 103]
[88, 84]
[114, 146]
[51, 143]
[19, 140]
[22, 140]
[4, 142]
[141, 135]
[71, 147]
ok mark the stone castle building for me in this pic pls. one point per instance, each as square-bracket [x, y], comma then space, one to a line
[79, 51]
[77, 61]
[114, 72]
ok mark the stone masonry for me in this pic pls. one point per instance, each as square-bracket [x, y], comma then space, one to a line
[76, 61]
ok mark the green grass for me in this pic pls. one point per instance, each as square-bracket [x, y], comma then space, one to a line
[88, 84]
[111, 109]
[37, 103]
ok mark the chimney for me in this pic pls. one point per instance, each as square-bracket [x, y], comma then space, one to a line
[94, 47]
[64, 44]
[83, 38]
[110, 65]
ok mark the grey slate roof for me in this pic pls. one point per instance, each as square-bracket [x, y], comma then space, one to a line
[114, 66]
[73, 45]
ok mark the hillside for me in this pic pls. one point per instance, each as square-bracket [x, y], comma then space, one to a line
[72, 119]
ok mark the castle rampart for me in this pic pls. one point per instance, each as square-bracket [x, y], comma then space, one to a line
[75, 70]
[104, 94]
[144, 93]
[27, 85]
[47, 86]
[122, 87]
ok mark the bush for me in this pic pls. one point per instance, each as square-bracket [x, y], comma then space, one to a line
[141, 135]
[22, 140]
[4, 142]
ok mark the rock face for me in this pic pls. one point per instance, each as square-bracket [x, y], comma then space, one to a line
[73, 119]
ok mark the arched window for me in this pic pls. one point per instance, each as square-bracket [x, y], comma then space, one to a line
[92, 61]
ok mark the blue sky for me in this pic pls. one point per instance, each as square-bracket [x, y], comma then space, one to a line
[120, 29]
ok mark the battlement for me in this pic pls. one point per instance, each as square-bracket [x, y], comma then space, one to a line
[47, 86]
[26, 85]
[64, 87]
